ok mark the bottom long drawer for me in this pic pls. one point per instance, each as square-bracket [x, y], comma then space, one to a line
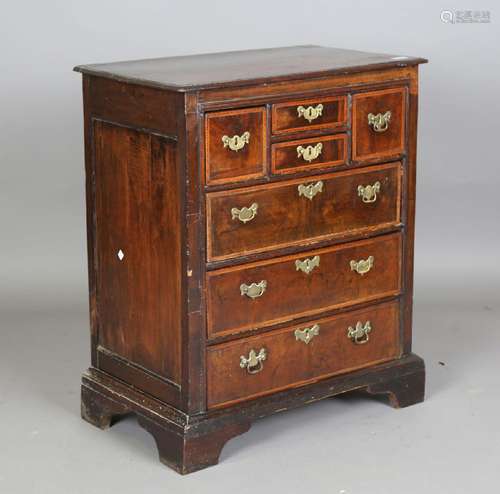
[297, 355]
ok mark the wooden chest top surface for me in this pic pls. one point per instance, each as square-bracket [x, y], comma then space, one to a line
[237, 68]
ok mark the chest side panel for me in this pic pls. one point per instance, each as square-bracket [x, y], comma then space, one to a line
[138, 247]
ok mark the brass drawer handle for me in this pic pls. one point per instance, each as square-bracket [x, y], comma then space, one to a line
[245, 214]
[307, 334]
[360, 333]
[253, 363]
[307, 265]
[368, 193]
[362, 266]
[310, 190]
[380, 121]
[236, 143]
[311, 112]
[254, 290]
[309, 153]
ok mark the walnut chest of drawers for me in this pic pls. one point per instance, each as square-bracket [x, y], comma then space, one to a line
[250, 238]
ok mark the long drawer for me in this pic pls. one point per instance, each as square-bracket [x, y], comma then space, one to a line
[261, 293]
[300, 354]
[266, 217]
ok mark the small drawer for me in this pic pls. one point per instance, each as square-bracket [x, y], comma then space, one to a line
[235, 145]
[378, 124]
[319, 113]
[298, 355]
[307, 154]
[266, 217]
[262, 293]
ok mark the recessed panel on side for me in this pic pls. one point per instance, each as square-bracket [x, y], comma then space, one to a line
[138, 247]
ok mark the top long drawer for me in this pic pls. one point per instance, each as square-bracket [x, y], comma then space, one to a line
[266, 217]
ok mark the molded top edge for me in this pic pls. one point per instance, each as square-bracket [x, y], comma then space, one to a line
[238, 68]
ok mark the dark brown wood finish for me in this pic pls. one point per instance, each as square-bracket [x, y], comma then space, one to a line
[238, 68]
[138, 247]
[283, 91]
[150, 116]
[287, 159]
[88, 132]
[135, 106]
[285, 216]
[129, 372]
[105, 400]
[162, 325]
[410, 186]
[290, 292]
[194, 326]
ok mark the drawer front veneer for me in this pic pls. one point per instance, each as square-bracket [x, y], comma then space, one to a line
[378, 124]
[261, 293]
[308, 154]
[262, 218]
[298, 355]
[235, 145]
[309, 114]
